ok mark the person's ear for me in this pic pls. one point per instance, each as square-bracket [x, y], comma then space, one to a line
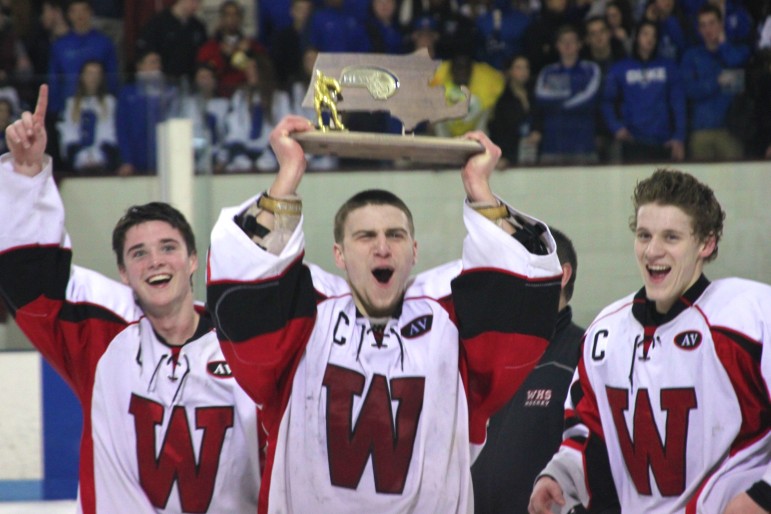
[337, 250]
[708, 247]
[567, 272]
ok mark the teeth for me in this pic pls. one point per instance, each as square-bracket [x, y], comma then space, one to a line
[159, 278]
[658, 268]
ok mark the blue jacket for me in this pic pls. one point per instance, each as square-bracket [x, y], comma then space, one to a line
[566, 103]
[672, 40]
[68, 55]
[699, 70]
[499, 41]
[333, 30]
[647, 98]
[140, 109]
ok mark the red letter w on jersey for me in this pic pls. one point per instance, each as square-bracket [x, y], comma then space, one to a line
[195, 480]
[390, 444]
[667, 460]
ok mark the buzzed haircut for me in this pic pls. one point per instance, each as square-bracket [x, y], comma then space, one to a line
[682, 190]
[153, 211]
[369, 197]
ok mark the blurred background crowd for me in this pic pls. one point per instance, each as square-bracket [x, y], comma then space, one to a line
[553, 82]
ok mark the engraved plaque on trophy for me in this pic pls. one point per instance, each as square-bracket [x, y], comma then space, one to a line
[397, 84]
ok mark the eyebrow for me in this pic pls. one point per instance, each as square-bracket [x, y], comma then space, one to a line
[368, 232]
[165, 240]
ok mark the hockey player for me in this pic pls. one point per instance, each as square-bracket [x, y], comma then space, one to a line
[166, 429]
[669, 407]
[376, 389]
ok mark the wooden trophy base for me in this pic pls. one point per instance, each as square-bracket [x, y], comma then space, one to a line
[369, 145]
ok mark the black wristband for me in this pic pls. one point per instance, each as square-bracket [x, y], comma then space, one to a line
[530, 236]
[251, 227]
[760, 492]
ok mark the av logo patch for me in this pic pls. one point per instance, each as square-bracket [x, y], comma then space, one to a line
[219, 369]
[688, 340]
[418, 326]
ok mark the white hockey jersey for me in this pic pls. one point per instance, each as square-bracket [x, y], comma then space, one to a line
[361, 425]
[160, 434]
[676, 405]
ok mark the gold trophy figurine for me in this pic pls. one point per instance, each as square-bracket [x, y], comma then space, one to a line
[400, 85]
[326, 93]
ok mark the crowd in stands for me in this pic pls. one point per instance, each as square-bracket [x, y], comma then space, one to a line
[553, 82]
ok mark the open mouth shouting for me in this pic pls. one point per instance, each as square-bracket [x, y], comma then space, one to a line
[383, 275]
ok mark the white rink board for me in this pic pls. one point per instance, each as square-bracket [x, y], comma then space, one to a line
[21, 433]
[52, 507]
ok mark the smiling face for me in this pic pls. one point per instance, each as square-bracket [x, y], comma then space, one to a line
[669, 254]
[377, 252]
[157, 266]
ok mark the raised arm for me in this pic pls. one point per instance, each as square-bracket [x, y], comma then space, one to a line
[291, 162]
[476, 179]
[27, 137]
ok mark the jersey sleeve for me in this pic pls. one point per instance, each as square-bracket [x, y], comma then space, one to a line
[69, 314]
[581, 465]
[505, 301]
[264, 307]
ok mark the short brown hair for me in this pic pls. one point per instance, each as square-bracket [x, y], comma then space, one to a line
[369, 197]
[153, 211]
[682, 190]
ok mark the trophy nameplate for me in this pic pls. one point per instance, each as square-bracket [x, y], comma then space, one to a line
[397, 84]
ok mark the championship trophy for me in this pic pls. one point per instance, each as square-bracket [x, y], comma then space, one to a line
[397, 84]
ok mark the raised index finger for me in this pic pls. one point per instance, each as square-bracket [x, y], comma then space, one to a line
[42, 103]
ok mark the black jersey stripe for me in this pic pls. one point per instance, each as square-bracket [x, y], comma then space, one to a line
[30, 272]
[491, 301]
[244, 310]
[753, 348]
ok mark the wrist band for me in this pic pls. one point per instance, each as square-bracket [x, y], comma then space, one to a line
[493, 213]
[280, 207]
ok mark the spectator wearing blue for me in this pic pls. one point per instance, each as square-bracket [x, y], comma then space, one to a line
[501, 31]
[272, 17]
[539, 37]
[671, 31]
[644, 103]
[143, 104]
[713, 75]
[70, 52]
[737, 21]
[332, 29]
[567, 96]
[600, 47]
[360, 9]
[382, 25]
